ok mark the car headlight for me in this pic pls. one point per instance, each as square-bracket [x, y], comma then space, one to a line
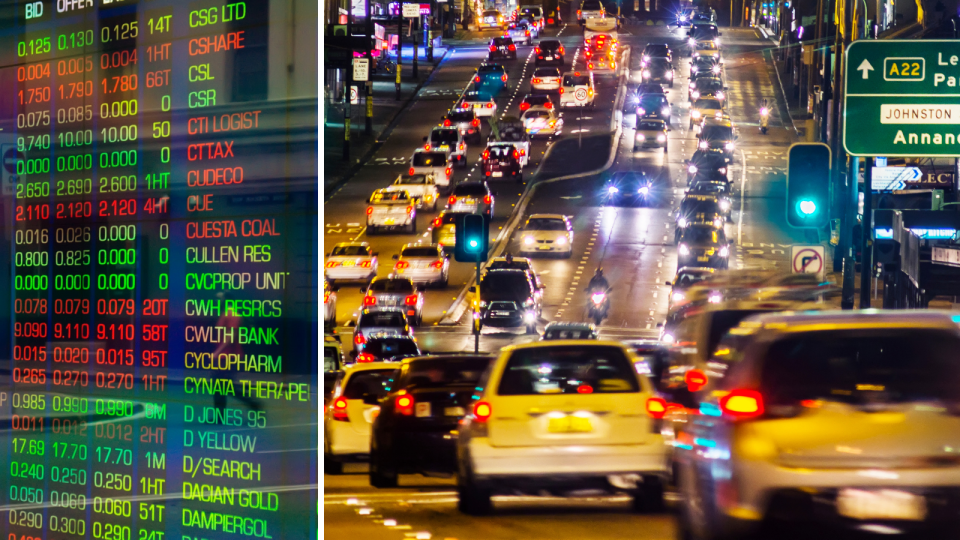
[612, 189]
[715, 298]
[528, 240]
[692, 169]
[670, 75]
[641, 111]
[646, 58]
[644, 190]
[720, 95]
[693, 69]
[692, 42]
[682, 222]
[683, 249]
[661, 138]
[716, 68]
[641, 137]
[667, 338]
[646, 73]
[704, 145]
[562, 240]
[530, 316]
[694, 114]
[728, 146]
[724, 251]
[677, 296]
[665, 110]
[724, 205]
[717, 223]
[483, 303]
[528, 302]
[722, 170]
[696, 55]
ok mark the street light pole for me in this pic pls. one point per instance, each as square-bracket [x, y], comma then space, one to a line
[866, 258]
[399, 48]
[368, 123]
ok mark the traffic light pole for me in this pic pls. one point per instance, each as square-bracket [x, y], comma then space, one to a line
[476, 320]
[866, 259]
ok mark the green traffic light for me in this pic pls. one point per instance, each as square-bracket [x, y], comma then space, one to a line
[473, 243]
[807, 207]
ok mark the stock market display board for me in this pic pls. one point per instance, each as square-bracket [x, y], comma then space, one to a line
[159, 187]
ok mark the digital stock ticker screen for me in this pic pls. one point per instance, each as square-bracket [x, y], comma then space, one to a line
[158, 359]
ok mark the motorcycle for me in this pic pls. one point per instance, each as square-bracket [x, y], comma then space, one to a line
[598, 306]
[764, 119]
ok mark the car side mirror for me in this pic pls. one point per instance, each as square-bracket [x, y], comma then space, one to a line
[424, 139]
[473, 289]
[396, 257]
[669, 284]
[659, 325]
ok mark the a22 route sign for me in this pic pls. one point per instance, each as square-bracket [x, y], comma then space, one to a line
[902, 98]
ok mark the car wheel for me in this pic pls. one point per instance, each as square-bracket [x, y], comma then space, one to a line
[413, 225]
[532, 329]
[649, 497]
[634, 148]
[382, 475]
[331, 467]
[568, 255]
[435, 201]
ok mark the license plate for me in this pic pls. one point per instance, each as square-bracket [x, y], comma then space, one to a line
[347, 263]
[497, 174]
[570, 424]
[881, 504]
[549, 58]
[454, 411]
[703, 259]
[501, 313]
[389, 221]
[543, 247]
[422, 410]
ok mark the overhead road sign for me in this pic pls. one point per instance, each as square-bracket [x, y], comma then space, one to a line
[902, 98]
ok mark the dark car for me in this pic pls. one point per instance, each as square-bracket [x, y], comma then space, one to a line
[707, 165]
[703, 245]
[549, 51]
[372, 321]
[467, 122]
[536, 100]
[656, 50]
[509, 299]
[415, 431]
[649, 88]
[502, 160]
[502, 47]
[719, 189]
[701, 32]
[388, 348]
[654, 106]
[687, 276]
[658, 70]
[699, 210]
[628, 187]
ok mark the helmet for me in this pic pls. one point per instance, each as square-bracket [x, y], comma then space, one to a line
[509, 258]
[599, 272]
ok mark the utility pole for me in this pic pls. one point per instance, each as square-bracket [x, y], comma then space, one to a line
[476, 315]
[368, 22]
[348, 83]
[416, 40]
[399, 47]
[866, 260]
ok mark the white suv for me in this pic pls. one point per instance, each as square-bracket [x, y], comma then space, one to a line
[843, 422]
[577, 90]
[561, 416]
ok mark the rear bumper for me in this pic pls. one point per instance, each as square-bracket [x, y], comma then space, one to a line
[564, 464]
[387, 224]
[711, 262]
[433, 450]
[349, 273]
[345, 442]
[420, 276]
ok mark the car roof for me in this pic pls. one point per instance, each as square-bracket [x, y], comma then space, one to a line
[563, 343]
[546, 216]
[448, 355]
[384, 309]
[369, 366]
[343, 244]
[853, 320]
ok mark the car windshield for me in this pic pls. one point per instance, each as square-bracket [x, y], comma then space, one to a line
[535, 114]
[470, 188]
[655, 50]
[706, 104]
[537, 100]
[652, 101]
[420, 252]
[331, 359]
[568, 370]
[576, 80]
[461, 116]
[702, 235]
[535, 11]
[444, 136]
[709, 160]
[370, 383]
[391, 346]
[437, 372]
[504, 283]
[648, 126]
[708, 85]
[705, 64]
[687, 279]
[413, 179]
[707, 46]
[697, 205]
[382, 318]
[429, 159]
[546, 224]
[392, 285]
[347, 251]
[659, 63]
[388, 196]
[863, 368]
[569, 333]
[546, 72]
[719, 133]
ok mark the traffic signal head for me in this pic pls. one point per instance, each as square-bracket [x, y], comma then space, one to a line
[808, 185]
[472, 238]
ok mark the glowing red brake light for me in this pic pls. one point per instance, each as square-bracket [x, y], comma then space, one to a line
[512, 47]
[369, 210]
[401, 265]
[409, 209]
[561, 49]
[656, 407]
[516, 155]
[550, 105]
[742, 404]
[426, 147]
[489, 105]
[695, 380]
[436, 264]
[475, 122]
[488, 199]
[486, 154]
[365, 264]
[369, 300]
[524, 106]
[482, 411]
[536, 81]
[359, 339]
[404, 405]
[332, 264]
[410, 300]
[446, 123]
[536, 50]
[492, 49]
[411, 171]
[436, 222]
[339, 410]
[504, 77]
[366, 358]
[476, 79]
[448, 170]
[452, 199]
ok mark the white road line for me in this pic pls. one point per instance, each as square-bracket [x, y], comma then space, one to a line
[743, 189]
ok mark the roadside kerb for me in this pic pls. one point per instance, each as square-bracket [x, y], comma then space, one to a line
[459, 306]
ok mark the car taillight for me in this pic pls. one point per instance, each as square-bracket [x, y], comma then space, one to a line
[326, 296]
[742, 404]
[549, 21]
[369, 210]
[523, 152]
[366, 358]
[504, 77]
[492, 49]
[656, 407]
[695, 380]
[550, 105]
[359, 339]
[536, 50]
[527, 33]
[561, 50]
[488, 199]
[369, 300]
[536, 81]
[410, 300]
[561, 90]
[462, 146]
[446, 123]
[489, 105]
[486, 154]
[332, 264]
[426, 147]
[436, 264]
[516, 155]
[365, 264]
[524, 106]
[409, 209]
[339, 410]
[436, 222]
[590, 92]
[404, 405]
[452, 199]
[448, 170]
[475, 122]
[590, 65]
[401, 265]
[411, 171]
[482, 411]
[476, 79]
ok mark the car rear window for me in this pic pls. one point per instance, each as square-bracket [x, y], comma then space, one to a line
[392, 285]
[347, 251]
[518, 264]
[535, 11]
[546, 72]
[709, 161]
[536, 114]
[387, 347]
[379, 318]
[591, 5]
[447, 136]
[374, 382]
[491, 13]
[549, 44]
[864, 367]
[502, 151]
[568, 370]
[387, 196]
[429, 159]
[420, 252]
[720, 133]
[537, 100]
[416, 179]
[470, 188]
[505, 283]
[546, 224]
[575, 80]
[461, 115]
[331, 359]
[702, 235]
[650, 125]
[512, 134]
[431, 373]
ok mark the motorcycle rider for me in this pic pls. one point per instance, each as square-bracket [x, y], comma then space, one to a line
[764, 115]
[598, 283]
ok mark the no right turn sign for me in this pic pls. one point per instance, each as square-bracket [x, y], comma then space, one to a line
[807, 259]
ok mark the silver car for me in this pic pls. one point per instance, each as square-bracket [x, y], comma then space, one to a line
[394, 292]
[422, 264]
[350, 261]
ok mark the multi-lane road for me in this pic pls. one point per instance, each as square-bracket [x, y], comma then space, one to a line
[633, 244]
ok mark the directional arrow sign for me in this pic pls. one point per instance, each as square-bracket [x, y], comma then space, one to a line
[894, 178]
[910, 107]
